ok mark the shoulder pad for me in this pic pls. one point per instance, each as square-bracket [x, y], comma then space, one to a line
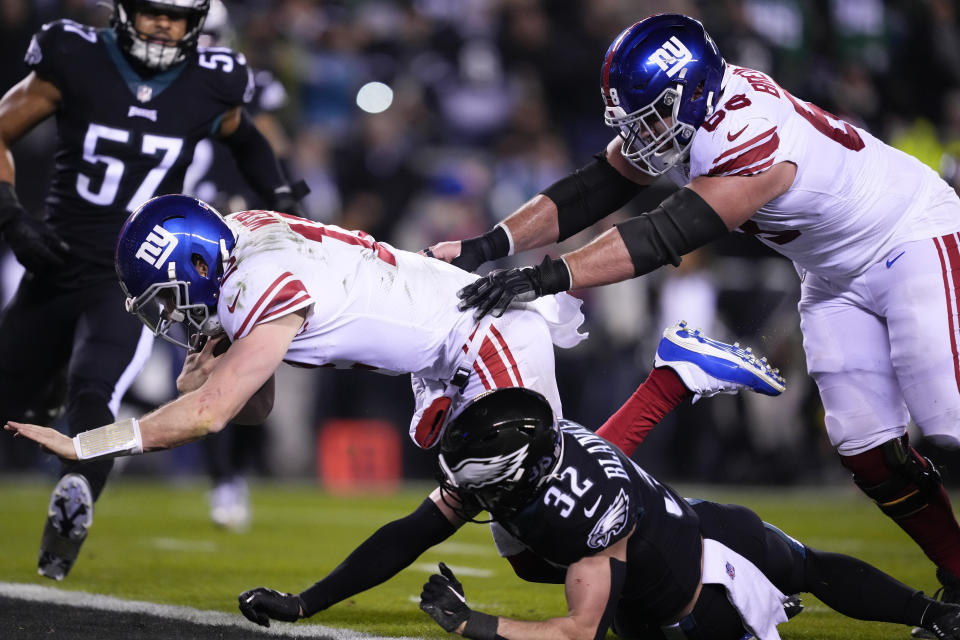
[56, 44]
[230, 72]
[741, 144]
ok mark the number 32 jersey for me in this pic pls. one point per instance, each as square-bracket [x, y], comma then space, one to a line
[854, 198]
[123, 139]
[596, 497]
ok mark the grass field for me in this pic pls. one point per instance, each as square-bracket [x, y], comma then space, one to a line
[154, 542]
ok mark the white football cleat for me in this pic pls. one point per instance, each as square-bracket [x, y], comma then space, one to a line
[708, 367]
[230, 505]
[69, 517]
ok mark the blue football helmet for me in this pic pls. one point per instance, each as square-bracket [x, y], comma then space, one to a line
[660, 80]
[169, 259]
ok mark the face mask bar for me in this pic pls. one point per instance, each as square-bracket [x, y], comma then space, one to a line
[654, 140]
[165, 305]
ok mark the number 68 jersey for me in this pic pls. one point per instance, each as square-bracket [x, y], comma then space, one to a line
[853, 198]
[596, 497]
[122, 138]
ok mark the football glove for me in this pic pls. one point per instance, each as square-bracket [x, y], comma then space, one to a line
[495, 292]
[443, 600]
[37, 247]
[261, 604]
[286, 199]
[475, 251]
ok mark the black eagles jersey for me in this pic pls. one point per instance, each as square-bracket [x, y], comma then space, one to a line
[123, 139]
[595, 498]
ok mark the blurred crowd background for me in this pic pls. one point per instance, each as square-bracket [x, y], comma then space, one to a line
[425, 120]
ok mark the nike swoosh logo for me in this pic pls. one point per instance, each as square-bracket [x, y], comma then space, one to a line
[732, 137]
[589, 512]
[233, 305]
[457, 593]
[892, 260]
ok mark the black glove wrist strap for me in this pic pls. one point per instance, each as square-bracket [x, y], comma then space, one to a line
[481, 626]
[554, 276]
[491, 245]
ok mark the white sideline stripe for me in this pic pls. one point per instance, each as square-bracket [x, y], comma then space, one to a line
[37, 593]
[431, 567]
[178, 544]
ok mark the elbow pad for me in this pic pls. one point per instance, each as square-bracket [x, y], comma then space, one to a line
[590, 193]
[682, 223]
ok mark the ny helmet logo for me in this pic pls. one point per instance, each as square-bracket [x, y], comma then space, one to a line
[672, 56]
[157, 247]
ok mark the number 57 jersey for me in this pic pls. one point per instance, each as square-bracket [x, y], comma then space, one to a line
[853, 199]
[122, 138]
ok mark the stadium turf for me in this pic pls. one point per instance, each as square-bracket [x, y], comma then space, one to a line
[153, 542]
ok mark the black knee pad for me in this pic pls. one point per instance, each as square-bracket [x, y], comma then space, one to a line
[913, 482]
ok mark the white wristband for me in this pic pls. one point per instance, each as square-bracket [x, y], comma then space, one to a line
[109, 441]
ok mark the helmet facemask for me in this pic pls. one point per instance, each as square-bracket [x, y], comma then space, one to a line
[164, 305]
[158, 56]
[654, 138]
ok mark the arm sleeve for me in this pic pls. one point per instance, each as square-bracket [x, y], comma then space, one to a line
[380, 557]
[255, 159]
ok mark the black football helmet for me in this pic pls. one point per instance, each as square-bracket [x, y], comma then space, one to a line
[500, 450]
[158, 56]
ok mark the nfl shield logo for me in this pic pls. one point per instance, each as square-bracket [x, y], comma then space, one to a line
[144, 93]
[731, 571]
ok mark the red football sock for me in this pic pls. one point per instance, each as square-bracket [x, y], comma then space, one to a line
[659, 394]
[934, 527]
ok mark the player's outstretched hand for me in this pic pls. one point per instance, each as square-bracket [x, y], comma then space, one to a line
[261, 604]
[198, 364]
[461, 254]
[443, 599]
[50, 439]
[495, 292]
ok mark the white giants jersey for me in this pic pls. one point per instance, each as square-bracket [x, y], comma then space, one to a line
[369, 306]
[853, 199]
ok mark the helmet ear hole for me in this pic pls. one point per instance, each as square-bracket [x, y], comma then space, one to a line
[200, 265]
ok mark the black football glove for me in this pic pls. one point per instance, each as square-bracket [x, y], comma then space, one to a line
[37, 247]
[494, 292]
[286, 199]
[475, 251]
[261, 604]
[443, 600]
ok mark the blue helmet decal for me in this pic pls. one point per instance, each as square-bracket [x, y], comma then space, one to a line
[660, 80]
[169, 258]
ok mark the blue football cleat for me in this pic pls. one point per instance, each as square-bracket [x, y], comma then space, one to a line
[708, 367]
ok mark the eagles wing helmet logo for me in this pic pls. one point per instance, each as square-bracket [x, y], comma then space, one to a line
[34, 54]
[473, 473]
[610, 523]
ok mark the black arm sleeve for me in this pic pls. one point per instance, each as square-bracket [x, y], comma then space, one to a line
[588, 194]
[380, 557]
[255, 159]
[682, 223]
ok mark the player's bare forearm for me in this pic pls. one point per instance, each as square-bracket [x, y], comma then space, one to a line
[25, 105]
[534, 224]
[603, 261]
[237, 375]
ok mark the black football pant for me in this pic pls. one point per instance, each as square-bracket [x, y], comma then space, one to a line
[86, 335]
[845, 584]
